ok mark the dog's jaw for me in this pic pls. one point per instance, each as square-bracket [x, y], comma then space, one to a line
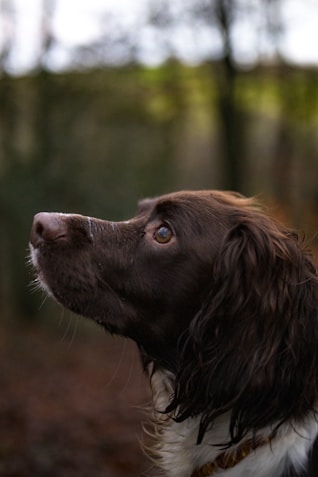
[39, 276]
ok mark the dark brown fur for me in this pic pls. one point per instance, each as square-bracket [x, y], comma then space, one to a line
[229, 304]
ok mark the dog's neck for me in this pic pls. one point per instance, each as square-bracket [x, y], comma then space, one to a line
[178, 455]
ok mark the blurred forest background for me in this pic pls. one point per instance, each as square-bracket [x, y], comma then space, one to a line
[101, 134]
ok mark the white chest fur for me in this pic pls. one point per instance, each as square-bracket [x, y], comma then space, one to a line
[178, 455]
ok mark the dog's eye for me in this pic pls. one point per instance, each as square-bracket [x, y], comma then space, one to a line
[163, 234]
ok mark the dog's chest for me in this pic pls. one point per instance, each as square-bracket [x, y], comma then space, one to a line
[178, 454]
[176, 449]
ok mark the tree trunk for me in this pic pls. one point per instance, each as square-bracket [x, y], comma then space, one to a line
[232, 120]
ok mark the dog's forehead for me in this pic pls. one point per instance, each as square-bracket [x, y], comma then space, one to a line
[147, 204]
[209, 199]
[184, 206]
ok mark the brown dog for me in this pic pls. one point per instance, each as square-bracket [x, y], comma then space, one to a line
[222, 302]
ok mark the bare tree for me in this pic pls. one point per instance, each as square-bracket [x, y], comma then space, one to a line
[47, 38]
[221, 16]
[7, 17]
[231, 118]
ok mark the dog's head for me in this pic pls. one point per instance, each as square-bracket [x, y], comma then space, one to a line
[210, 287]
[144, 278]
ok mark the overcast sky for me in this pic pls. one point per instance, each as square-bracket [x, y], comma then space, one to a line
[78, 22]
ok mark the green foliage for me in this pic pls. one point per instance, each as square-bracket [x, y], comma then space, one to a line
[95, 142]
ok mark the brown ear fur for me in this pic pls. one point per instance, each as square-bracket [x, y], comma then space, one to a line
[252, 350]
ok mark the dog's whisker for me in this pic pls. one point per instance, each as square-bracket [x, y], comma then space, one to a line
[34, 285]
[118, 366]
[75, 328]
[61, 317]
[67, 329]
[130, 371]
[107, 286]
[43, 301]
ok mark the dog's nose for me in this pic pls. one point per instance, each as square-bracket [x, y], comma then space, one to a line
[47, 227]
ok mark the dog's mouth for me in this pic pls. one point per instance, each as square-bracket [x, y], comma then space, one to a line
[39, 278]
[66, 252]
[61, 257]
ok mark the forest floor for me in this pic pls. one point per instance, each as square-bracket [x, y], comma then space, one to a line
[70, 406]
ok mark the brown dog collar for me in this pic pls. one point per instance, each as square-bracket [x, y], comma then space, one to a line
[228, 459]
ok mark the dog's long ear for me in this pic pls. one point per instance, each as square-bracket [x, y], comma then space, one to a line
[252, 350]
